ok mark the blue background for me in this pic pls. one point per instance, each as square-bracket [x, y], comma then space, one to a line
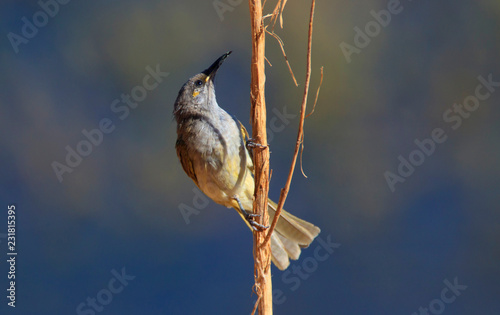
[119, 208]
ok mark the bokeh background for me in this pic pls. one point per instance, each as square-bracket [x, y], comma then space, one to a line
[120, 207]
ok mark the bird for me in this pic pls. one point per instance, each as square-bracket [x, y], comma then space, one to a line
[212, 148]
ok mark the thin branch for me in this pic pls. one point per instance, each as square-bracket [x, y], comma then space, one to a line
[312, 111]
[317, 93]
[284, 191]
[275, 14]
[281, 13]
[284, 54]
[278, 11]
[268, 62]
[301, 152]
[255, 306]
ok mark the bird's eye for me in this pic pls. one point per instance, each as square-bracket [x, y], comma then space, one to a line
[198, 82]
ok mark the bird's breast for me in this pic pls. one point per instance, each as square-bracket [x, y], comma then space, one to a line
[219, 159]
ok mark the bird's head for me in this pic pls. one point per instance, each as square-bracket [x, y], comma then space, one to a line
[199, 90]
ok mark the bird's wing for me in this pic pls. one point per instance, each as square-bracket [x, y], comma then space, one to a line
[244, 137]
[187, 164]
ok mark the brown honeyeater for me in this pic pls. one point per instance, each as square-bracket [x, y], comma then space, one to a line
[211, 147]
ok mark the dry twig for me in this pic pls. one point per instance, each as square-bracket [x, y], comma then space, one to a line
[284, 55]
[284, 191]
[262, 251]
[312, 111]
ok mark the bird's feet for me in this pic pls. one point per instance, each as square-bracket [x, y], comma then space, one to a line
[251, 144]
[255, 226]
[249, 217]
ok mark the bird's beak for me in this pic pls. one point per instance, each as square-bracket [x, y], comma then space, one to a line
[212, 70]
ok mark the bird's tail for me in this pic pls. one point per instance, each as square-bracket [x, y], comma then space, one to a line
[290, 235]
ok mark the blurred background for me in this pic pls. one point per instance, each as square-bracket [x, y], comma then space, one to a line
[65, 67]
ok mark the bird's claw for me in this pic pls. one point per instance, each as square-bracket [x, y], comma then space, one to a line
[257, 226]
[249, 217]
[252, 144]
